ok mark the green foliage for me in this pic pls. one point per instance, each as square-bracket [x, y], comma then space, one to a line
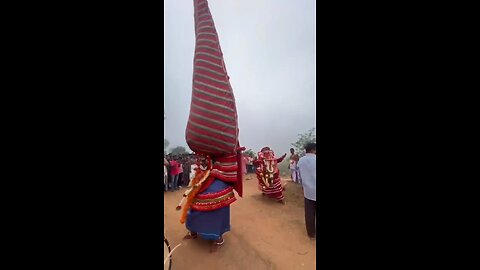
[284, 168]
[166, 143]
[250, 153]
[179, 150]
[309, 136]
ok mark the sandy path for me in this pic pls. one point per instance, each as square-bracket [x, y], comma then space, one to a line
[264, 234]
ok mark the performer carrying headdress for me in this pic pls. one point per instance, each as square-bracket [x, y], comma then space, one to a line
[212, 133]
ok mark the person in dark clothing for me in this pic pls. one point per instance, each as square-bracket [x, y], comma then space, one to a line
[187, 166]
[174, 171]
[180, 172]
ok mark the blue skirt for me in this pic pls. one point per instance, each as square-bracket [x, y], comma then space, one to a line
[212, 224]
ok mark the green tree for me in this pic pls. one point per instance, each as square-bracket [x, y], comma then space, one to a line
[307, 137]
[166, 143]
[250, 153]
[179, 150]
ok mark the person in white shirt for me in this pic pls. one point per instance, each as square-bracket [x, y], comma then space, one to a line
[165, 173]
[192, 171]
[293, 165]
[307, 166]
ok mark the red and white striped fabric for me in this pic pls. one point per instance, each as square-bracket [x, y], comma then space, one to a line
[275, 191]
[212, 125]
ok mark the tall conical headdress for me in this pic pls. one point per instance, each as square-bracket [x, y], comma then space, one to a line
[212, 127]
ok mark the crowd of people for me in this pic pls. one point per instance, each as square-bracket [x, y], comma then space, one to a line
[178, 170]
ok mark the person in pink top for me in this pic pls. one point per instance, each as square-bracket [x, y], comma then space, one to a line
[174, 171]
[244, 164]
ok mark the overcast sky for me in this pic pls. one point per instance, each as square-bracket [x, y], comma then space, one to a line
[269, 53]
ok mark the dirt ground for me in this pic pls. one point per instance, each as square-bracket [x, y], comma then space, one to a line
[264, 234]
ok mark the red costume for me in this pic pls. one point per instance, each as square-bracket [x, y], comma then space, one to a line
[268, 174]
[212, 132]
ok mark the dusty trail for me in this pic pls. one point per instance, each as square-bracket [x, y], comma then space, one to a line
[264, 234]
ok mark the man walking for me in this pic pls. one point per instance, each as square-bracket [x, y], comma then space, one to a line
[308, 171]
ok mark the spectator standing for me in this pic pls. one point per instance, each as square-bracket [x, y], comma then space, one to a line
[165, 173]
[180, 173]
[244, 164]
[192, 171]
[187, 163]
[174, 173]
[307, 166]
[250, 165]
[294, 166]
